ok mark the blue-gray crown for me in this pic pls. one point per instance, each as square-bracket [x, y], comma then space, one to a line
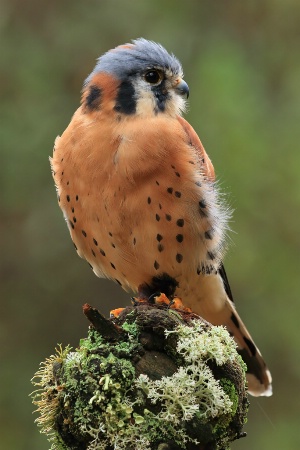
[142, 55]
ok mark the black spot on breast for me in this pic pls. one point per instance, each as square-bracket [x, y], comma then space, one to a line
[208, 234]
[113, 266]
[77, 198]
[160, 247]
[71, 223]
[110, 234]
[210, 256]
[95, 242]
[74, 219]
[113, 245]
[72, 210]
[198, 183]
[93, 99]
[173, 167]
[177, 194]
[90, 265]
[68, 198]
[170, 190]
[177, 174]
[119, 282]
[209, 270]
[83, 232]
[251, 346]
[149, 200]
[157, 217]
[202, 206]
[192, 162]
[134, 241]
[94, 254]
[68, 183]
[126, 102]
[159, 237]
[159, 205]
[102, 252]
[179, 258]
[157, 183]
[168, 217]
[203, 270]
[156, 265]
[180, 222]
[235, 320]
[179, 237]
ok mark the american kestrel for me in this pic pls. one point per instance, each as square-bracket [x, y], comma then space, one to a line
[138, 191]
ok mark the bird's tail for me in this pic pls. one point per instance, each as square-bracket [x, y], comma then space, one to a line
[258, 376]
[212, 300]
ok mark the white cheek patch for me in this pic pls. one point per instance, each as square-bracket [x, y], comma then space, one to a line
[147, 103]
[175, 105]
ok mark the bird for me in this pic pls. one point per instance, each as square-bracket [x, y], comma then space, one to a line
[139, 194]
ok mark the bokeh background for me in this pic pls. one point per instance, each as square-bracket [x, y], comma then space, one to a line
[241, 61]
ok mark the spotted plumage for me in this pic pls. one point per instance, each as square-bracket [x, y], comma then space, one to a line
[138, 190]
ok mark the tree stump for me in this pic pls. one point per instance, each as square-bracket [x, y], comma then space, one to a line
[153, 378]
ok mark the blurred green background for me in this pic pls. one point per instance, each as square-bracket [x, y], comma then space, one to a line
[241, 61]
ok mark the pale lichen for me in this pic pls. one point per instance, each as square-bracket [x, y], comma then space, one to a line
[46, 397]
[93, 395]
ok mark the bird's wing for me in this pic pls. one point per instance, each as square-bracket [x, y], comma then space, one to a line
[205, 163]
[214, 300]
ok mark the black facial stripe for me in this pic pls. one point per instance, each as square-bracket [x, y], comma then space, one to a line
[93, 99]
[161, 95]
[126, 102]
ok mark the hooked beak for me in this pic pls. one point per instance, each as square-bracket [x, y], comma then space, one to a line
[182, 89]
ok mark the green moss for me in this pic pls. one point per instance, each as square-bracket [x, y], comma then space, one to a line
[131, 327]
[230, 390]
[92, 394]
[92, 384]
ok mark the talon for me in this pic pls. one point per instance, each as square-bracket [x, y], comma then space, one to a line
[171, 303]
[176, 303]
[152, 298]
[134, 301]
[116, 312]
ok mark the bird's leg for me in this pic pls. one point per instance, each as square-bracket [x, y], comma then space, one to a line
[163, 284]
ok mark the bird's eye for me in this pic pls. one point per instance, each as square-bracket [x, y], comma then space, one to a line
[152, 76]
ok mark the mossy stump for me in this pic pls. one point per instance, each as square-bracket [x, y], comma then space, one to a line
[152, 378]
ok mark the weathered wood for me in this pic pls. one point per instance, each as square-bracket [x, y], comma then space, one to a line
[104, 326]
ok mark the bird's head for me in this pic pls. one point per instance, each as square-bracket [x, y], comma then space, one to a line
[140, 78]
